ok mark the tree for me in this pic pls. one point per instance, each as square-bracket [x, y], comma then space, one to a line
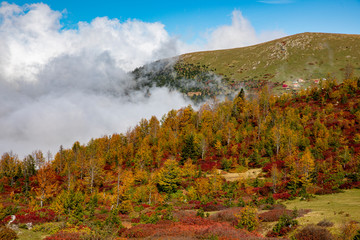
[8, 166]
[93, 166]
[275, 176]
[307, 165]
[28, 169]
[47, 185]
[189, 149]
[169, 177]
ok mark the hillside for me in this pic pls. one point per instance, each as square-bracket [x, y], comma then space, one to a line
[222, 172]
[289, 63]
[306, 56]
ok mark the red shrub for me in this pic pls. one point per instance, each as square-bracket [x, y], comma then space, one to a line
[273, 215]
[279, 164]
[211, 206]
[40, 216]
[188, 228]
[227, 215]
[283, 195]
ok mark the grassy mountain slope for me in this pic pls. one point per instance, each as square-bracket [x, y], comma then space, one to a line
[306, 56]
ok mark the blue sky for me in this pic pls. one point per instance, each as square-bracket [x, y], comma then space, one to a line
[188, 19]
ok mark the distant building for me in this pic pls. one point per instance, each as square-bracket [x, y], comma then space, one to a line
[316, 81]
[296, 85]
[191, 94]
[300, 80]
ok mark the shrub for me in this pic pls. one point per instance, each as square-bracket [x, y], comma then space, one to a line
[7, 233]
[247, 218]
[210, 206]
[273, 215]
[40, 216]
[313, 232]
[349, 230]
[49, 228]
[125, 207]
[227, 215]
[325, 223]
[357, 236]
[286, 224]
[64, 236]
[283, 196]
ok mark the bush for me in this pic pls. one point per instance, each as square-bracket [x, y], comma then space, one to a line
[7, 233]
[273, 215]
[49, 228]
[210, 207]
[283, 196]
[247, 218]
[313, 232]
[125, 207]
[286, 224]
[325, 223]
[40, 216]
[64, 236]
[227, 215]
[349, 230]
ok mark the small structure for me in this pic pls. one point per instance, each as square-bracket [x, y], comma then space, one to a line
[191, 94]
[300, 80]
[296, 85]
[317, 81]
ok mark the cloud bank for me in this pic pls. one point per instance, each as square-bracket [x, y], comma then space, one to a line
[59, 85]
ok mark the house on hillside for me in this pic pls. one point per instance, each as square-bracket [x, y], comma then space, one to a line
[317, 81]
[191, 94]
[300, 80]
[296, 85]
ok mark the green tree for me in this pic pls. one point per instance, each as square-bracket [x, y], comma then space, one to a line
[169, 177]
[189, 149]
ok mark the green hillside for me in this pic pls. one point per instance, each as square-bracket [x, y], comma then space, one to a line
[307, 56]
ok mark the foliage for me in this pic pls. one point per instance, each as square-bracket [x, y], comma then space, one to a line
[48, 227]
[168, 179]
[304, 144]
[285, 224]
[313, 232]
[325, 223]
[39, 216]
[273, 215]
[7, 233]
[247, 218]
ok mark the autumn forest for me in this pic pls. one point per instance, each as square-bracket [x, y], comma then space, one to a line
[222, 171]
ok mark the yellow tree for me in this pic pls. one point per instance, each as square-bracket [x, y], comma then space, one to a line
[307, 165]
[8, 166]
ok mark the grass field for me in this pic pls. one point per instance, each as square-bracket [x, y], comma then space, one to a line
[306, 55]
[25, 234]
[339, 208]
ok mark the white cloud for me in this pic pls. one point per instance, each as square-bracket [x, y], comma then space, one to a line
[58, 86]
[239, 34]
[31, 36]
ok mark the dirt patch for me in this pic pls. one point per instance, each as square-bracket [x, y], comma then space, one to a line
[231, 177]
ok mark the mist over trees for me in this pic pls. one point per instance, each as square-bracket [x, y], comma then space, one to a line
[304, 144]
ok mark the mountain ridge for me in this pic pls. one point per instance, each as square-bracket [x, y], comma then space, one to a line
[305, 55]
